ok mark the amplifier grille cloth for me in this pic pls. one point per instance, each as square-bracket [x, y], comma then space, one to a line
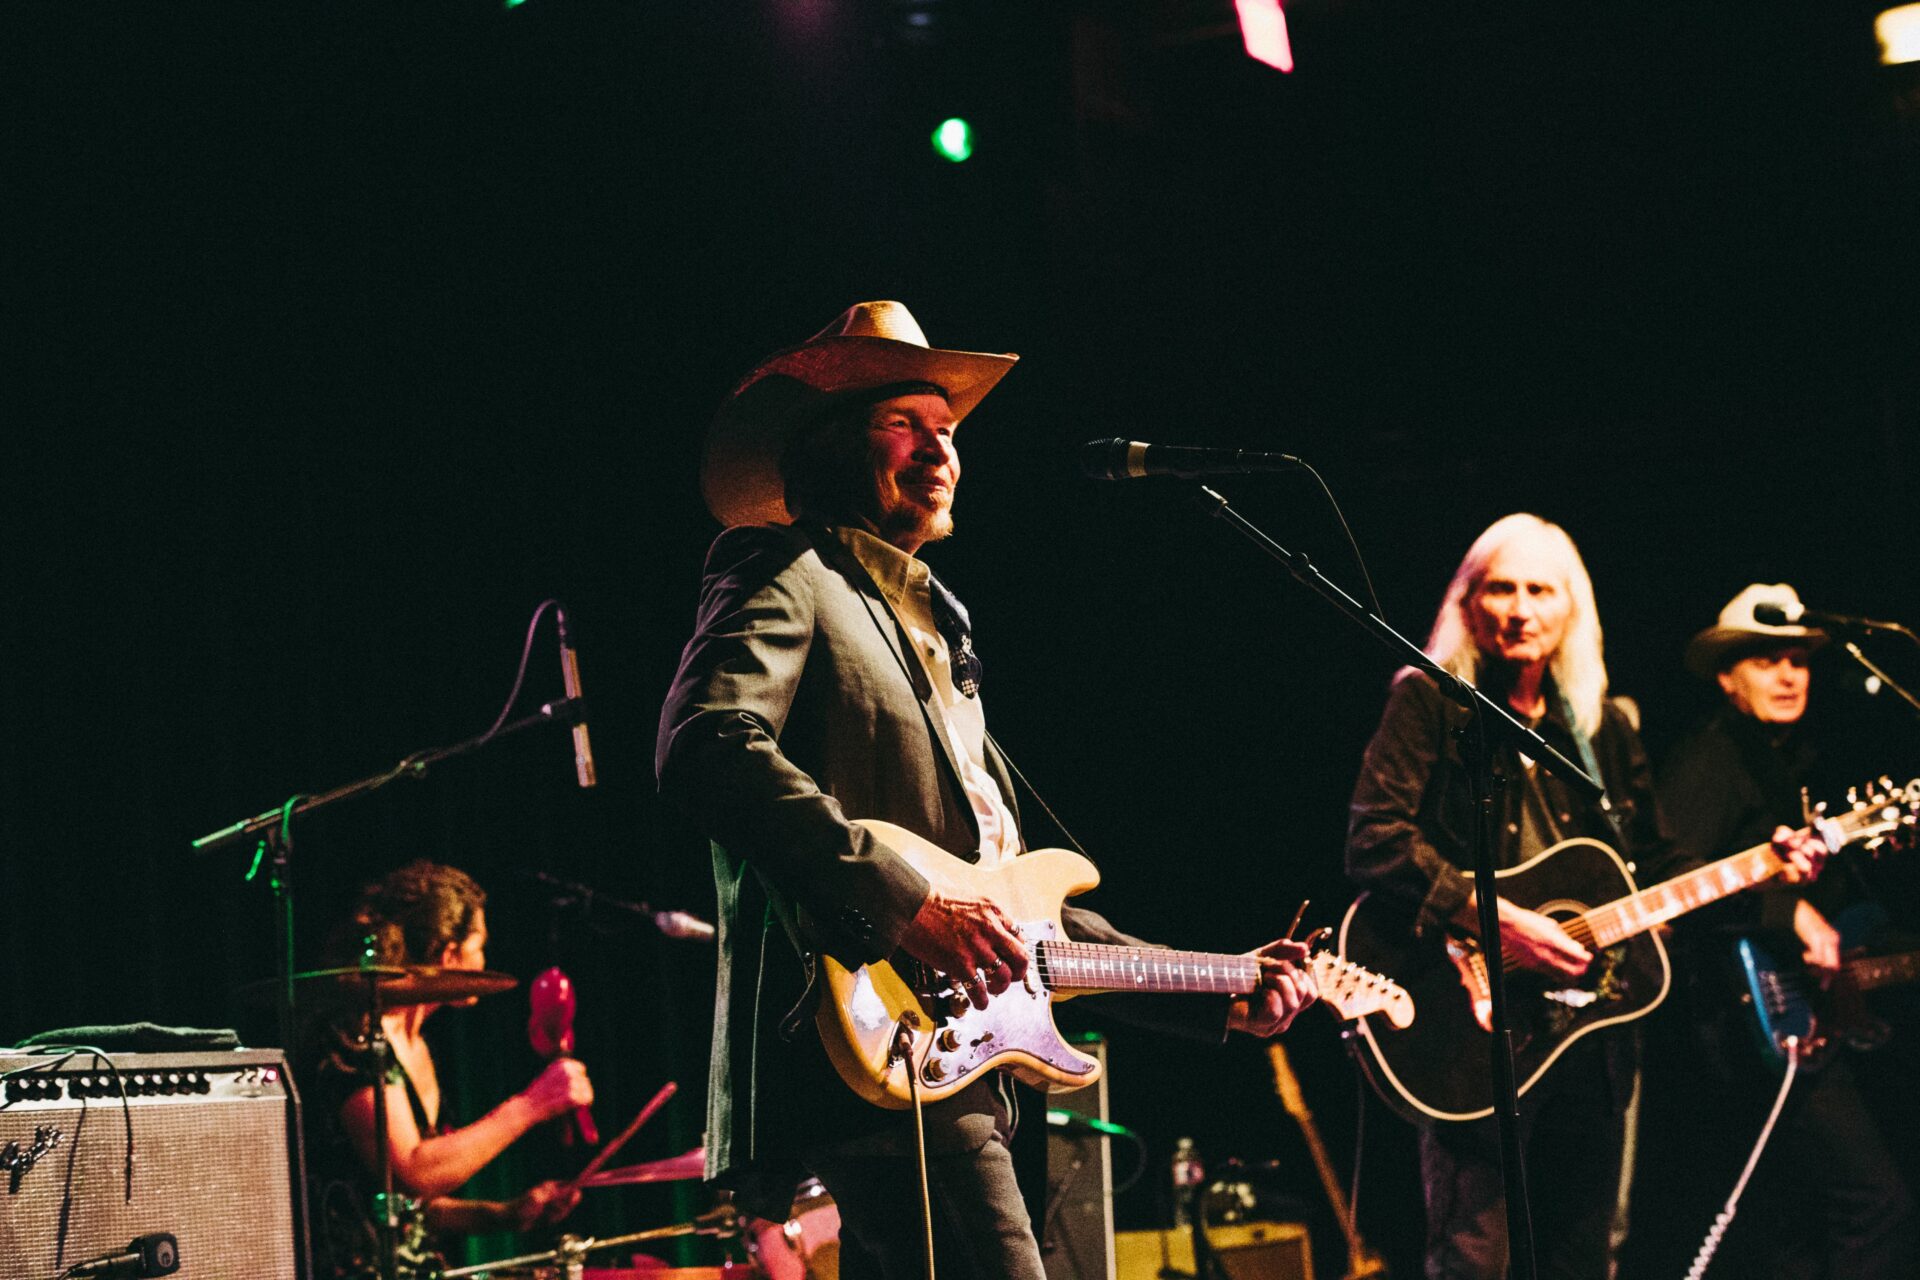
[213, 1171]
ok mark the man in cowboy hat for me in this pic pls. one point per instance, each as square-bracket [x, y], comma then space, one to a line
[832, 677]
[1829, 1198]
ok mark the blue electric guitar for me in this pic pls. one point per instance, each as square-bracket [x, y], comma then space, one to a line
[1785, 1000]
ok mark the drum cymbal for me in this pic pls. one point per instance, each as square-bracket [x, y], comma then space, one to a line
[394, 985]
[688, 1164]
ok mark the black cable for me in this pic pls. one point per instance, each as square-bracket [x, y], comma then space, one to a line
[1359, 1146]
[1140, 1163]
[1358, 560]
[520, 676]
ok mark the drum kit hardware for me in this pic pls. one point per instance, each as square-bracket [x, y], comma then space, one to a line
[568, 1260]
[380, 987]
[804, 1247]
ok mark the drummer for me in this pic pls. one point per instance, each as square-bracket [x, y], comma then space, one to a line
[421, 914]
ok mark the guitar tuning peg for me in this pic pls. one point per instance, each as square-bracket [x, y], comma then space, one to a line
[1853, 796]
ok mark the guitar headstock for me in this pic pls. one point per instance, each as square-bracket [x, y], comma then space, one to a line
[1353, 992]
[1880, 815]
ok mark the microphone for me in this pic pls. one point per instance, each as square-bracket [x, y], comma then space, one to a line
[150, 1255]
[1118, 459]
[682, 924]
[570, 674]
[1074, 1122]
[1774, 615]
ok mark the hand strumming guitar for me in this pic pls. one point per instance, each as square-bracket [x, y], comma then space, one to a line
[1821, 940]
[970, 940]
[1535, 941]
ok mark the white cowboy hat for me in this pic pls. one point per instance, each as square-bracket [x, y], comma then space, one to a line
[871, 345]
[1736, 627]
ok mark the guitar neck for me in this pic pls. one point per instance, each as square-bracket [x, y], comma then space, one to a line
[1636, 913]
[1883, 971]
[1098, 966]
[1639, 912]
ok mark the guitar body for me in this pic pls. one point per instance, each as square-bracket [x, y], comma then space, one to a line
[859, 1019]
[1782, 999]
[1781, 1002]
[1437, 1067]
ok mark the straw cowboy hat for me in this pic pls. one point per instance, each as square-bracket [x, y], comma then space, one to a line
[871, 345]
[1736, 629]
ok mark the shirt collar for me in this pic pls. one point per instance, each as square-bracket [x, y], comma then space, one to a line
[898, 575]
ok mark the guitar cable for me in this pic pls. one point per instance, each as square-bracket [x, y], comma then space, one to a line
[1720, 1224]
[901, 1052]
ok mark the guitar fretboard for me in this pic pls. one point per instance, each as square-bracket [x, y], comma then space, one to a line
[1639, 912]
[1884, 971]
[1095, 966]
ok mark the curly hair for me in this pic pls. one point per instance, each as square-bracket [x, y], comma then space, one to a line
[411, 915]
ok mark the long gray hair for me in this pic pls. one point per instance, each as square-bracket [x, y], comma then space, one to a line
[1577, 666]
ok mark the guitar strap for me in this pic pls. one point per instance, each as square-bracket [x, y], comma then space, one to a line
[1584, 745]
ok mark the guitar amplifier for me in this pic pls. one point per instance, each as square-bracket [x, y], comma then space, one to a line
[205, 1148]
[1244, 1250]
[1077, 1235]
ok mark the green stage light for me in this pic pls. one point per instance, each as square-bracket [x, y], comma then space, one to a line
[953, 140]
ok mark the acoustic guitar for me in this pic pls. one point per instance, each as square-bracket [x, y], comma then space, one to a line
[1438, 1069]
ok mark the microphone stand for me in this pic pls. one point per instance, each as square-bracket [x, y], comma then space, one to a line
[1874, 669]
[1491, 723]
[274, 829]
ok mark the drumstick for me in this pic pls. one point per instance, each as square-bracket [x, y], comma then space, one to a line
[667, 1090]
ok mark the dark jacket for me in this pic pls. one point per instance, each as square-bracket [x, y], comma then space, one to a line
[799, 705]
[1410, 825]
[1725, 788]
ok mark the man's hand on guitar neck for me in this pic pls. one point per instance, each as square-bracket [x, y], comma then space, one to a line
[970, 940]
[1285, 989]
[1534, 941]
[1805, 854]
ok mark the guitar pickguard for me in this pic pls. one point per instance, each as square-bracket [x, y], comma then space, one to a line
[966, 1040]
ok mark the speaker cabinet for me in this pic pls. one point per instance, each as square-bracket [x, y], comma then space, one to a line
[1245, 1251]
[1077, 1243]
[214, 1159]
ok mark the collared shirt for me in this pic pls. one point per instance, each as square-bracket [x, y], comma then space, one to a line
[902, 579]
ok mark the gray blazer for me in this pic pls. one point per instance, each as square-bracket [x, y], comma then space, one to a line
[798, 704]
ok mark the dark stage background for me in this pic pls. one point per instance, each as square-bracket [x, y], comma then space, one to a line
[354, 330]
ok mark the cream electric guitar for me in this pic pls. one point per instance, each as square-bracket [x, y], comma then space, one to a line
[894, 1030]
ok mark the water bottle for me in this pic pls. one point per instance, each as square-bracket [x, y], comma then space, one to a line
[1188, 1174]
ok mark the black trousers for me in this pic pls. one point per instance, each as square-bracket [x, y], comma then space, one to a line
[981, 1228]
[1573, 1132]
[1827, 1198]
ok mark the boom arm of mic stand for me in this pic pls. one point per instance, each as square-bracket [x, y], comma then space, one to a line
[275, 829]
[1509, 729]
[1502, 723]
[561, 710]
[1873, 668]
